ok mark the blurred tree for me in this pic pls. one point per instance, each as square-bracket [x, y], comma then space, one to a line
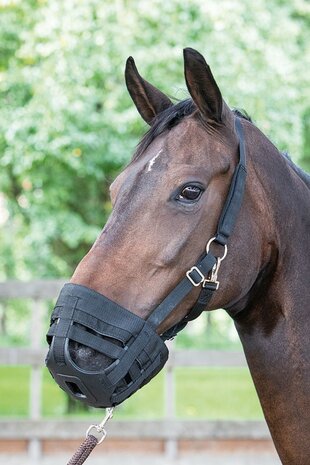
[305, 159]
[67, 125]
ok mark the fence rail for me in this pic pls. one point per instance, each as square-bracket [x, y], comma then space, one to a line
[167, 429]
[38, 289]
[170, 430]
[177, 358]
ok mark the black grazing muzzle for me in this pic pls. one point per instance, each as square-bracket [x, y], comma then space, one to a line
[130, 349]
[135, 353]
[85, 323]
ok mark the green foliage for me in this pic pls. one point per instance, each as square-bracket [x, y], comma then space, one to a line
[305, 159]
[212, 330]
[15, 322]
[67, 125]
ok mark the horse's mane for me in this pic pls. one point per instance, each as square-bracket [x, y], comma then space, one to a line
[301, 173]
[170, 117]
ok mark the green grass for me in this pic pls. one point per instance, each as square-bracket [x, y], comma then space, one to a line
[213, 393]
[14, 391]
[216, 393]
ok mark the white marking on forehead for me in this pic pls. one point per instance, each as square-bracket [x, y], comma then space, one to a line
[152, 161]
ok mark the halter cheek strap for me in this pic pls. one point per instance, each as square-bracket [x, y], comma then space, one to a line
[204, 273]
[235, 195]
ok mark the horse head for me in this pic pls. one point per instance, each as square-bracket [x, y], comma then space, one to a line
[167, 205]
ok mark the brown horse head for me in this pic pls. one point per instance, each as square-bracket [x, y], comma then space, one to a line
[166, 207]
[167, 201]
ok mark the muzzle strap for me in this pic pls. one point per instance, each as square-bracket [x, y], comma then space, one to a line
[61, 332]
[95, 342]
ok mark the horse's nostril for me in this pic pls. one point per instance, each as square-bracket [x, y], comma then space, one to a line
[91, 359]
[87, 358]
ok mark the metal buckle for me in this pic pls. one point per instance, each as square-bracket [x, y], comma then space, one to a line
[212, 279]
[194, 283]
[100, 431]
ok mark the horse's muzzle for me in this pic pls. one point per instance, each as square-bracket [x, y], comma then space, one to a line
[134, 352]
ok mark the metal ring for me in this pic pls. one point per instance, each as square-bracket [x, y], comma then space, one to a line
[101, 433]
[225, 248]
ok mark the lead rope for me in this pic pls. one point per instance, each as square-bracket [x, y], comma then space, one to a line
[92, 439]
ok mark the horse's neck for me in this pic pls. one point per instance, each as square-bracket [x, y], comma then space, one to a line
[275, 326]
[275, 337]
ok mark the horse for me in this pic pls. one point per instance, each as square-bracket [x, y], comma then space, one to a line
[167, 204]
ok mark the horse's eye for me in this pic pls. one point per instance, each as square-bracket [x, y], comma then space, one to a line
[190, 193]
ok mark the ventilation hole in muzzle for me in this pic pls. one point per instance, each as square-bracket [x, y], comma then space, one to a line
[75, 390]
[128, 379]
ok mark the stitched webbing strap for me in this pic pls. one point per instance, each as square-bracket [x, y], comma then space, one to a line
[203, 300]
[235, 195]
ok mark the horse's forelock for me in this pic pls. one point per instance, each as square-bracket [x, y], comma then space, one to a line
[163, 122]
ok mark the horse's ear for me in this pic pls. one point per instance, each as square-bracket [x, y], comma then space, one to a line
[202, 86]
[148, 100]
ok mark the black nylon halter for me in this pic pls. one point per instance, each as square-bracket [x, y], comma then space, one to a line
[208, 261]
